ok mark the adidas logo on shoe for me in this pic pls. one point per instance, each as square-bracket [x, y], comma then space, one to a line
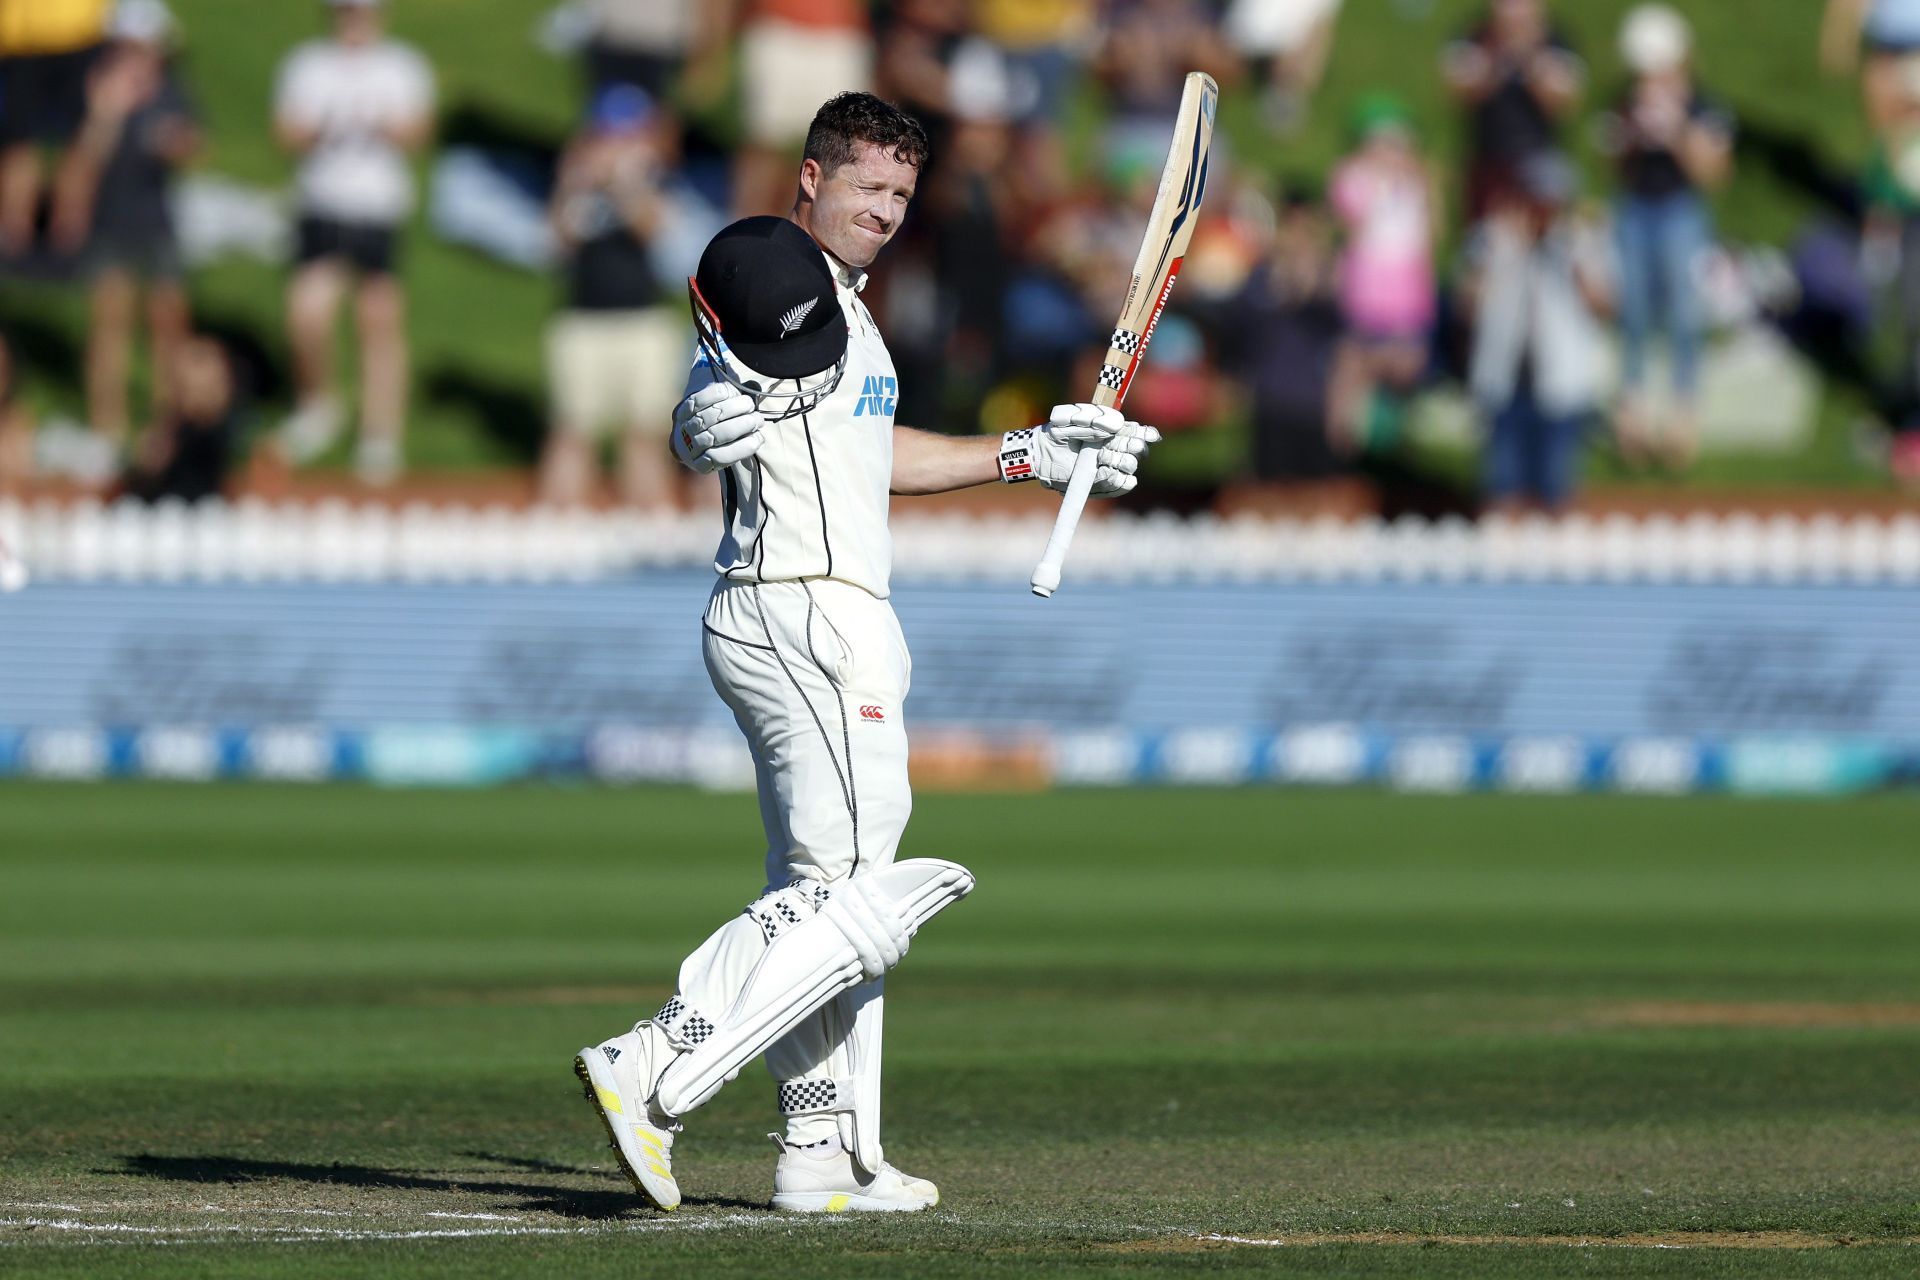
[613, 1054]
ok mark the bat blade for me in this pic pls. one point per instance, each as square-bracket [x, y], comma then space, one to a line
[1176, 207]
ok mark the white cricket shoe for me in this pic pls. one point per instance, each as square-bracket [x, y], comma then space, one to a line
[378, 462]
[824, 1179]
[619, 1075]
[311, 429]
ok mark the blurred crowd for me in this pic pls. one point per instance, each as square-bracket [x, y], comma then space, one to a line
[1317, 310]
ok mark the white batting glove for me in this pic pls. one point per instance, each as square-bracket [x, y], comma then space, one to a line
[717, 426]
[1045, 453]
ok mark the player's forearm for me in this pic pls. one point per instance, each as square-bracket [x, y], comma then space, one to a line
[927, 463]
[295, 135]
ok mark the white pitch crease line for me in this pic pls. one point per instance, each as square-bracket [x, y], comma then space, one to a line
[71, 1224]
[285, 1234]
[261, 1208]
[166, 1208]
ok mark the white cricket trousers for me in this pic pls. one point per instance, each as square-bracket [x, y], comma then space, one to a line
[815, 672]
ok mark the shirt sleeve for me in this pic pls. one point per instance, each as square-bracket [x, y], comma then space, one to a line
[416, 83]
[702, 374]
[293, 89]
[1569, 57]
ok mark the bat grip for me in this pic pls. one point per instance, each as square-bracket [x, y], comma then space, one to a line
[1046, 575]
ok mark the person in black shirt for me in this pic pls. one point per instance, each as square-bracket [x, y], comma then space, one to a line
[617, 353]
[1281, 335]
[1671, 145]
[189, 453]
[1519, 79]
[112, 208]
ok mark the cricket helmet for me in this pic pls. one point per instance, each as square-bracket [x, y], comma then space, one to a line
[767, 315]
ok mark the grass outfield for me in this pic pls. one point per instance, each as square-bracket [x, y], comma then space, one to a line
[318, 1031]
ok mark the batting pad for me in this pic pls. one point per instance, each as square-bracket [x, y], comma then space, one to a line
[802, 968]
[851, 1095]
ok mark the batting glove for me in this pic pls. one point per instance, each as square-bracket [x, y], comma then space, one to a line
[1045, 453]
[717, 426]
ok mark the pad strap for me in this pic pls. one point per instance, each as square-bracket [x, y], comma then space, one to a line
[816, 1096]
[684, 1026]
[782, 909]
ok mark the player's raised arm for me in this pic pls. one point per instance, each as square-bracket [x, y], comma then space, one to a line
[927, 463]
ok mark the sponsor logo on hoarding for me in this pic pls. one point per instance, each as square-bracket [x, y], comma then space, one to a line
[1391, 676]
[1443, 763]
[66, 753]
[194, 676]
[1775, 679]
[181, 752]
[577, 677]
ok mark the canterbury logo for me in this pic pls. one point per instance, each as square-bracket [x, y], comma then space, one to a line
[871, 712]
[796, 316]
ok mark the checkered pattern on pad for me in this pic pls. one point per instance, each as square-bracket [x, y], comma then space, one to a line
[797, 1096]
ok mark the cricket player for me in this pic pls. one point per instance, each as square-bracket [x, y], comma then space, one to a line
[792, 401]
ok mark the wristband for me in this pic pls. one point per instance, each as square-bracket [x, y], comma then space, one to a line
[1016, 455]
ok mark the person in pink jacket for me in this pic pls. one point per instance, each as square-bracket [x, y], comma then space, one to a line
[1387, 201]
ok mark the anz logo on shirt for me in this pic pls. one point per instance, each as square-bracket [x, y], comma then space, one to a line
[877, 397]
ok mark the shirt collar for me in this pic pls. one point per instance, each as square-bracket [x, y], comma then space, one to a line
[849, 277]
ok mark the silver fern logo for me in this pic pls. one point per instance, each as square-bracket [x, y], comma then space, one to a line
[796, 316]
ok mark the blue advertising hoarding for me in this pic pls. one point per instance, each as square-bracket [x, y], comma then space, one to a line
[1412, 683]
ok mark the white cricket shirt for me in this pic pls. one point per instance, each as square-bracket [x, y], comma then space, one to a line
[813, 502]
[350, 94]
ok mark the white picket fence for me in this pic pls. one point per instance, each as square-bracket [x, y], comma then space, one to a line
[337, 542]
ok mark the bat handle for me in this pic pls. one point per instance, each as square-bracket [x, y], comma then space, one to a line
[1046, 575]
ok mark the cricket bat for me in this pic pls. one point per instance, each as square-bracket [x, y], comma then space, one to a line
[1169, 229]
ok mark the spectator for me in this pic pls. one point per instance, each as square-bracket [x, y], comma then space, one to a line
[1149, 48]
[47, 47]
[1891, 91]
[190, 451]
[618, 353]
[1671, 145]
[940, 294]
[1289, 41]
[642, 42]
[352, 107]
[918, 46]
[16, 428]
[1386, 198]
[1891, 29]
[794, 55]
[113, 207]
[1519, 79]
[1536, 286]
[1281, 335]
[1044, 41]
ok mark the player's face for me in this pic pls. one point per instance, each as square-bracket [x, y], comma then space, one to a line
[856, 208]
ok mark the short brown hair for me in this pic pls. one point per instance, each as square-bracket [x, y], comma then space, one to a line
[848, 118]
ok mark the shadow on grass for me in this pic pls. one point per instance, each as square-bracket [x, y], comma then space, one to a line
[567, 1202]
